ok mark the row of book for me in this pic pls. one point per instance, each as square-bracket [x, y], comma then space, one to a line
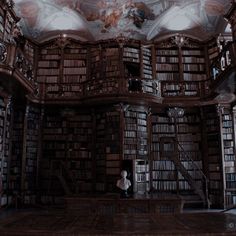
[193, 52]
[193, 60]
[165, 185]
[227, 124]
[167, 76]
[74, 63]
[74, 57]
[163, 165]
[194, 77]
[75, 50]
[194, 67]
[48, 64]
[142, 177]
[80, 167]
[165, 52]
[170, 128]
[163, 175]
[75, 71]
[167, 67]
[161, 59]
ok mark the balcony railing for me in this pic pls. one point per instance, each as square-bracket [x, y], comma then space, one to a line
[145, 86]
[99, 87]
[181, 88]
[224, 60]
[24, 66]
[13, 61]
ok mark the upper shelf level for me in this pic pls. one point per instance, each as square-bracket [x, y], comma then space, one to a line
[64, 69]
[71, 70]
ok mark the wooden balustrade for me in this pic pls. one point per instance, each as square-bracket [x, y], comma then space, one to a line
[182, 88]
[225, 59]
[15, 62]
[104, 86]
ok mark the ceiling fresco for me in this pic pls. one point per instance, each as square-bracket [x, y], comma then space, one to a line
[102, 19]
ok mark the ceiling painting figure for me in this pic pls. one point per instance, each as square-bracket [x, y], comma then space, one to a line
[102, 19]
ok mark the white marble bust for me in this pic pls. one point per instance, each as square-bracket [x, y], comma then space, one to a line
[123, 183]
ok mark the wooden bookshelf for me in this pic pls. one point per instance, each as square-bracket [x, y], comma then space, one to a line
[165, 176]
[135, 135]
[104, 71]
[48, 70]
[96, 63]
[74, 70]
[228, 152]
[4, 147]
[147, 63]
[111, 70]
[213, 51]
[100, 155]
[181, 89]
[79, 150]
[142, 176]
[131, 60]
[68, 146]
[111, 62]
[113, 149]
[136, 146]
[167, 63]
[189, 139]
[81, 70]
[131, 54]
[31, 154]
[15, 173]
[213, 159]
[54, 149]
[194, 64]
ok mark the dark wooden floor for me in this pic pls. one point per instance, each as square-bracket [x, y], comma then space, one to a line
[60, 222]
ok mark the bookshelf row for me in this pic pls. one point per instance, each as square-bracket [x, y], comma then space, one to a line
[73, 135]
[4, 147]
[95, 63]
[228, 150]
[88, 141]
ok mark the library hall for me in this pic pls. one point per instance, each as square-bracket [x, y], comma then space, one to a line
[117, 117]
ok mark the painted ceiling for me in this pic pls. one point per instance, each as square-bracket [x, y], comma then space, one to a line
[103, 19]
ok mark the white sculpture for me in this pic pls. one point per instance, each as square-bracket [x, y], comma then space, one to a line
[123, 183]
